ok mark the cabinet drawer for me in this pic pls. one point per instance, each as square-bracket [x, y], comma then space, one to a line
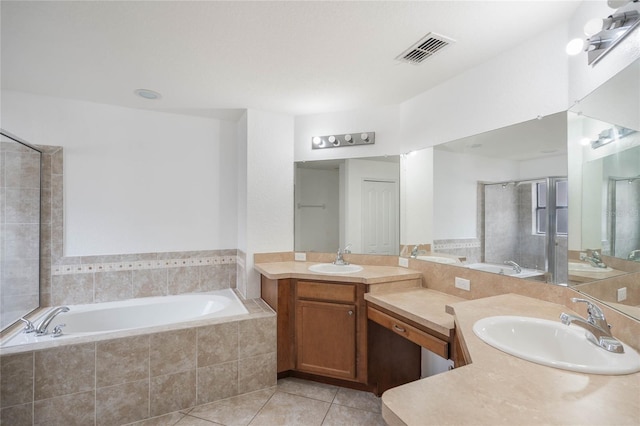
[417, 336]
[324, 291]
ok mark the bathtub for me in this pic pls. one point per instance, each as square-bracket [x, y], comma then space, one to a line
[501, 269]
[109, 319]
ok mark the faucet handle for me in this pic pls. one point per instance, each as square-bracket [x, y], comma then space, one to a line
[595, 313]
[28, 326]
[57, 330]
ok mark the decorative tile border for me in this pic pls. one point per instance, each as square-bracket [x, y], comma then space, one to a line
[137, 265]
[451, 246]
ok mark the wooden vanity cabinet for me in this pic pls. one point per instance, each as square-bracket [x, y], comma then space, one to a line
[330, 327]
[321, 328]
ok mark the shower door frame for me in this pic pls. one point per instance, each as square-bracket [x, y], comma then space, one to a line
[26, 144]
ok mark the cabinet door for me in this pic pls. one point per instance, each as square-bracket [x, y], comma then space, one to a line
[326, 338]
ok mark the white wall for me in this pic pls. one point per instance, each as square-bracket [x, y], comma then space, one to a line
[317, 228]
[455, 195]
[135, 181]
[269, 188]
[416, 197]
[513, 87]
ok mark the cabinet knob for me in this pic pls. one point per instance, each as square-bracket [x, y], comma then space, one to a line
[350, 313]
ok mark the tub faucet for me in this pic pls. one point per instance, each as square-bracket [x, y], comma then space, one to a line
[41, 329]
[598, 331]
[593, 257]
[516, 267]
[339, 260]
[634, 255]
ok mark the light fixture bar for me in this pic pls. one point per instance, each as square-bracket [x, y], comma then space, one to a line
[347, 139]
[616, 28]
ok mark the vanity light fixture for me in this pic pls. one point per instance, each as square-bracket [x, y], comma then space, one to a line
[605, 34]
[348, 139]
[609, 135]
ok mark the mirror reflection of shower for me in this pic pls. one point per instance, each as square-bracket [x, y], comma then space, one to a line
[526, 222]
[623, 220]
[20, 234]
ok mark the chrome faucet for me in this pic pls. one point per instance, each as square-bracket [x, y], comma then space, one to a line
[414, 251]
[41, 329]
[28, 326]
[598, 331]
[634, 255]
[339, 260]
[516, 267]
[593, 257]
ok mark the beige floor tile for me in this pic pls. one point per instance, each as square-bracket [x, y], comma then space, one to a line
[319, 391]
[235, 411]
[358, 399]
[287, 409]
[339, 415]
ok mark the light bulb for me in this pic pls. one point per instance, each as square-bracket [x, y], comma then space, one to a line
[575, 46]
[317, 140]
[595, 25]
[585, 141]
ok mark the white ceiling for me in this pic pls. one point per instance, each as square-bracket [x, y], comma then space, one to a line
[296, 57]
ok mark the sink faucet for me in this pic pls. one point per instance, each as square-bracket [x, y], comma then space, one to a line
[339, 260]
[516, 267]
[634, 255]
[41, 329]
[596, 326]
[414, 251]
[593, 257]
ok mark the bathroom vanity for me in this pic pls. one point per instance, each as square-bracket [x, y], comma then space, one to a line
[339, 329]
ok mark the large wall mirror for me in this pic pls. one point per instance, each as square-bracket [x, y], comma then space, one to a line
[350, 202]
[500, 200]
[604, 141]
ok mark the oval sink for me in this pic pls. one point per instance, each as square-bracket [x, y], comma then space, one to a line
[586, 267]
[554, 344]
[332, 268]
[438, 259]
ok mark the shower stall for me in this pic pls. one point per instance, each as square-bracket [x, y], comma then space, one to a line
[20, 186]
[623, 219]
[526, 222]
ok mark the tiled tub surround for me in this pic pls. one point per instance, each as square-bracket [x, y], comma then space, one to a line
[95, 279]
[137, 376]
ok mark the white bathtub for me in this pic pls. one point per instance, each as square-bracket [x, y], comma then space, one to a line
[144, 313]
[501, 269]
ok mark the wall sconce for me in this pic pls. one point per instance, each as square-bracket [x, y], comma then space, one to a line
[605, 34]
[349, 139]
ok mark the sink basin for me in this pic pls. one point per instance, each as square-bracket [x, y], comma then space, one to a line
[586, 267]
[331, 268]
[438, 259]
[554, 344]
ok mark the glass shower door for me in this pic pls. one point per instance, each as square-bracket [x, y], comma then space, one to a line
[20, 171]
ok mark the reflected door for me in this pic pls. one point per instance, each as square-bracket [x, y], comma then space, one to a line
[379, 217]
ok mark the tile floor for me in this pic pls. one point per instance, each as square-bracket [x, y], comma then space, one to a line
[292, 402]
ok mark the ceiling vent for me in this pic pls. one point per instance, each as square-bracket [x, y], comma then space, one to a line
[426, 47]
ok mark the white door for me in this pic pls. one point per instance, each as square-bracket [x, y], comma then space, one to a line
[380, 217]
